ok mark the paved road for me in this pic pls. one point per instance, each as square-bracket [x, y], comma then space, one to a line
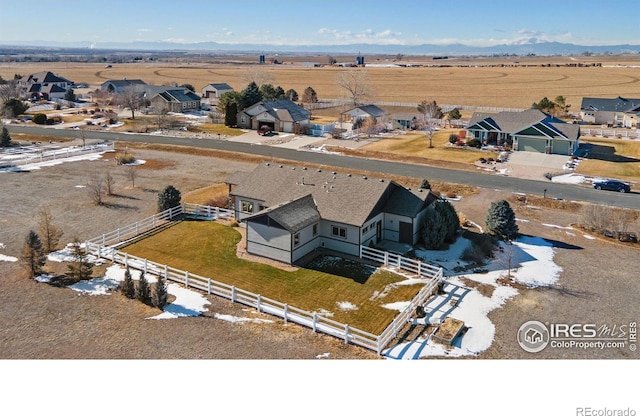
[554, 190]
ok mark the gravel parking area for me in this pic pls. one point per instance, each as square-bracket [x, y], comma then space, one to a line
[598, 284]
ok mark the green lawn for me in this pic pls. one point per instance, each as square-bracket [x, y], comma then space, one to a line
[209, 249]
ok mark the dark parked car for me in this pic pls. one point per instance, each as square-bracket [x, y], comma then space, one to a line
[612, 185]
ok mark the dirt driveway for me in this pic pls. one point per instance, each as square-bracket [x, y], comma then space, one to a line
[599, 280]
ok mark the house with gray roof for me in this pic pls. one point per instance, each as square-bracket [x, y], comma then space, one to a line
[172, 99]
[44, 85]
[215, 91]
[617, 112]
[289, 211]
[362, 112]
[280, 115]
[528, 131]
[120, 85]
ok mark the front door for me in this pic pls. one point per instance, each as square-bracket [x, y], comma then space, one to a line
[378, 231]
[406, 233]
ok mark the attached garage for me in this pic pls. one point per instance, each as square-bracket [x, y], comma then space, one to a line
[528, 144]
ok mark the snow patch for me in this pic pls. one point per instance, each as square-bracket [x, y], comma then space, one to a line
[346, 306]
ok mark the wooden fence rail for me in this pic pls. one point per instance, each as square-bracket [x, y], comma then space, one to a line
[104, 246]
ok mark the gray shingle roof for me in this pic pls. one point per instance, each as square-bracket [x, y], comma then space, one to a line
[617, 104]
[294, 215]
[46, 76]
[282, 109]
[123, 83]
[221, 86]
[516, 121]
[340, 197]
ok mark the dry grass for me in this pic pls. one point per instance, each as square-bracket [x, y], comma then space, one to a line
[497, 86]
[616, 158]
[417, 145]
[208, 195]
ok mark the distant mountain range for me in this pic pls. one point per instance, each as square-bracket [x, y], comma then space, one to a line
[528, 47]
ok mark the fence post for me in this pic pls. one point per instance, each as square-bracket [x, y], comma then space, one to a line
[99, 252]
[258, 304]
[104, 240]
[346, 334]
[113, 255]
[166, 272]
[170, 213]
[153, 221]
[145, 266]
[209, 286]
[126, 259]
[386, 258]
[208, 211]
[315, 321]
[186, 279]
[233, 294]
[286, 309]
[419, 269]
[137, 227]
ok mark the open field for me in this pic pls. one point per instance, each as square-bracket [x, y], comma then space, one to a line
[500, 85]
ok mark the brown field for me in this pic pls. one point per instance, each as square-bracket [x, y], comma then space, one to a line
[489, 83]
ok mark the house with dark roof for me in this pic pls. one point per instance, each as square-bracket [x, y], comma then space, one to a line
[215, 91]
[280, 115]
[529, 131]
[363, 112]
[44, 85]
[120, 85]
[617, 112]
[290, 211]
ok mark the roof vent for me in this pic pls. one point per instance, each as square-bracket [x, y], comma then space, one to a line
[364, 177]
[280, 166]
[349, 175]
[293, 168]
[420, 190]
[381, 180]
[333, 173]
[319, 170]
[304, 168]
[268, 164]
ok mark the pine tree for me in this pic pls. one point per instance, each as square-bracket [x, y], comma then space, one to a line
[501, 221]
[450, 218]
[32, 255]
[159, 299]
[80, 268]
[127, 286]
[143, 293]
[50, 233]
[434, 230]
[230, 114]
[168, 198]
[5, 138]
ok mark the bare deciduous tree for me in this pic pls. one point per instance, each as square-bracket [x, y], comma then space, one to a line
[355, 84]
[132, 174]
[109, 182]
[259, 76]
[103, 98]
[430, 112]
[94, 188]
[132, 98]
[49, 232]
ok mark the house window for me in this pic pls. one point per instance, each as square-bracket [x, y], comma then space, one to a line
[296, 239]
[315, 229]
[365, 229]
[243, 120]
[247, 206]
[338, 231]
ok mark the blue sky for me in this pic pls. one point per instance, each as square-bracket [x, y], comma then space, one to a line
[312, 22]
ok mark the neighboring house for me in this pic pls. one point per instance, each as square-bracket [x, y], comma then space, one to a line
[172, 99]
[404, 120]
[529, 131]
[44, 85]
[280, 115]
[363, 112]
[617, 112]
[120, 85]
[290, 211]
[215, 91]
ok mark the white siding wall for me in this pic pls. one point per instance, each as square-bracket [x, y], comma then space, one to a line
[349, 245]
[370, 225]
[392, 226]
[269, 242]
[308, 242]
[240, 215]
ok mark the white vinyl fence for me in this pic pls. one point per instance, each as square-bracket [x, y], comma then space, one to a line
[104, 246]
